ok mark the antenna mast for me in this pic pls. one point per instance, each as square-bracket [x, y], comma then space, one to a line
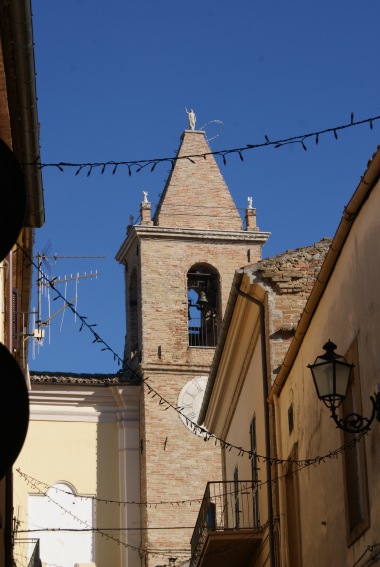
[42, 281]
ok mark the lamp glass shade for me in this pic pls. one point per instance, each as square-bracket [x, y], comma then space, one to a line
[331, 379]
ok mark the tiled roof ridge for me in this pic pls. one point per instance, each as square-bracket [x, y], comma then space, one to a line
[78, 374]
[55, 377]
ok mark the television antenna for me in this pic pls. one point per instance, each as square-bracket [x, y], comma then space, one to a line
[45, 282]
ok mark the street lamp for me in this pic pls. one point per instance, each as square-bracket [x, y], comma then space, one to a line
[331, 374]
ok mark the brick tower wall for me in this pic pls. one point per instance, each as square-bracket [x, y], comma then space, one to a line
[196, 223]
[196, 195]
[164, 304]
[175, 464]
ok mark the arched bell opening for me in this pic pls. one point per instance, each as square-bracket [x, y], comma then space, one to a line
[132, 316]
[203, 305]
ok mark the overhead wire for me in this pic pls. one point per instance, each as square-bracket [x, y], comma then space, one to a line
[135, 378]
[135, 166]
[104, 531]
[88, 527]
[299, 466]
[140, 164]
[369, 549]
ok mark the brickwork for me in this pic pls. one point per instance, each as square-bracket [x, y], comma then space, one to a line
[289, 278]
[176, 465]
[196, 223]
[165, 291]
[196, 195]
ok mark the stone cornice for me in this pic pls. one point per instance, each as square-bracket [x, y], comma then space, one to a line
[191, 370]
[84, 403]
[221, 236]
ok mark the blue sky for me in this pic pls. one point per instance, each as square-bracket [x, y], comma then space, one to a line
[113, 79]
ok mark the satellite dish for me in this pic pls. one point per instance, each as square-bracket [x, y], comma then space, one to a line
[13, 199]
[14, 410]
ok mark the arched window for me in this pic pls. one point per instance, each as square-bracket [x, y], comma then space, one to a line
[203, 301]
[132, 316]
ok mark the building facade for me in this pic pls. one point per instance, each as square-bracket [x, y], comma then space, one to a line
[300, 479]
[78, 469]
[265, 303]
[332, 503]
[21, 211]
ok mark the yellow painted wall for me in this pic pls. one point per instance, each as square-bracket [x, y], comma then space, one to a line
[86, 456]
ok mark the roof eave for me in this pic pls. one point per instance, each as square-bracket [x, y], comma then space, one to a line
[19, 54]
[367, 183]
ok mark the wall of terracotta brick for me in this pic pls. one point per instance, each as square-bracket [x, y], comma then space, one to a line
[196, 222]
[196, 195]
[289, 278]
[175, 463]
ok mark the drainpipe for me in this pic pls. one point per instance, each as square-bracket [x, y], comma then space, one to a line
[266, 419]
[284, 555]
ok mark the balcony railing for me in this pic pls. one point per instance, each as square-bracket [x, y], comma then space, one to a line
[227, 506]
[203, 332]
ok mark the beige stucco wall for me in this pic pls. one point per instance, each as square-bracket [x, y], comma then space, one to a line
[249, 403]
[240, 344]
[237, 396]
[349, 308]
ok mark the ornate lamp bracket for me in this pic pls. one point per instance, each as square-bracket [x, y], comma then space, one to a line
[354, 422]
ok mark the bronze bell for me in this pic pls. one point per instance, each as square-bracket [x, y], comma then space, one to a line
[202, 300]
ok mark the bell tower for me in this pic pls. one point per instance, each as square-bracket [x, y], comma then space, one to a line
[179, 266]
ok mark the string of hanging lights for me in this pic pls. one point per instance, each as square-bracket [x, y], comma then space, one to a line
[134, 377]
[135, 166]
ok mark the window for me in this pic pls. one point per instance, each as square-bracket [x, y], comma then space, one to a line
[354, 462]
[202, 298]
[290, 419]
[255, 481]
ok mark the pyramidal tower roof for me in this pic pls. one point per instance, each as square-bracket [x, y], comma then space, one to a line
[196, 195]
